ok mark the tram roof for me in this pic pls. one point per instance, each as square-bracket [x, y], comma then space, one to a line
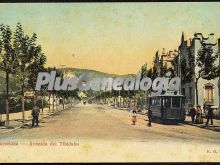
[168, 95]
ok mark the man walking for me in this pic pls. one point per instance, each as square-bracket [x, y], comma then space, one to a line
[210, 115]
[35, 114]
[149, 114]
[192, 114]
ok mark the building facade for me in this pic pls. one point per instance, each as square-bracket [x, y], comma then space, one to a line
[208, 90]
[164, 59]
[168, 57]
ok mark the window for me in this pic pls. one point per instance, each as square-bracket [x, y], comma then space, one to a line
[208, 93]
[183, 102]
[167, 102]
[183, 91]
[157, 101]
[175, 102]
[152, 102]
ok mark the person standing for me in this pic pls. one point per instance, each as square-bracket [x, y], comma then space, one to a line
[210, 115]
[149, 114]
[199, 115]
[192, 114]
[35, 114]
[134, 117]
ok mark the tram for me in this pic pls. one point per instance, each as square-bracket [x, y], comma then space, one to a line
[168, 107]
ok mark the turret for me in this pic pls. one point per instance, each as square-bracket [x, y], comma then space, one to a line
[182, 38]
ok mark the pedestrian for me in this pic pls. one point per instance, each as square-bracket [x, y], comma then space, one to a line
[35, 114]
[149, 114]
[198, 115]
[134, 117]
[209, 115]
[192, 114]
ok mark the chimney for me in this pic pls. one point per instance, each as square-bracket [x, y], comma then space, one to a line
[163, 52]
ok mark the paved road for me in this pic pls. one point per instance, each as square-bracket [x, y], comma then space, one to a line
[100, 122]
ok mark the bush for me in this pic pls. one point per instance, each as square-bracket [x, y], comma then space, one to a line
[15, 105]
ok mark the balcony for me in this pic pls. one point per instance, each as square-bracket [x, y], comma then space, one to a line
[209, 101]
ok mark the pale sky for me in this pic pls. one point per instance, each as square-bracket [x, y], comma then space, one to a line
[111, 37]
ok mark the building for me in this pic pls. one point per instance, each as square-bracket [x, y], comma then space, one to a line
[208, 90]
[168, 57]
[164, 59]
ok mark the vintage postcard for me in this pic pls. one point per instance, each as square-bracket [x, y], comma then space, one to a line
[110, 82]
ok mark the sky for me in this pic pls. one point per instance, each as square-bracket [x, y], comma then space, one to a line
[110, 37]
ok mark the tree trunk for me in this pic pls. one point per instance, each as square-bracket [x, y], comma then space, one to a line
[123, 101]
[22, 102]
[56, 102]
[35, 96]
[42, 103]
[6, 100]
[53, 102]
[219, 90]
[49, 102]
[196, 86]
[63, 103]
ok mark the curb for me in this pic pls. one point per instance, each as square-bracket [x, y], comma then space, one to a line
[186, 123]
[9, 130]
[204, 127]
[19, 127]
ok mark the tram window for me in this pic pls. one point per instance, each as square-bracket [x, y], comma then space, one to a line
[157, 101]
[152, 102]
[167, 102]
[183, 102]
[175, 102]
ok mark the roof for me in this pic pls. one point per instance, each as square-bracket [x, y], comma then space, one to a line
[168, 95]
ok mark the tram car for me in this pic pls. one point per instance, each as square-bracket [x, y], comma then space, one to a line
[168, 107]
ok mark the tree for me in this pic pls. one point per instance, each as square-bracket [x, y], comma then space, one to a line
[143, 71]
[174, 64]
[156, 66]
[208, 66]
[7, 62]
[27, 55]
[219, 74]
[187, 68]
[163, 68]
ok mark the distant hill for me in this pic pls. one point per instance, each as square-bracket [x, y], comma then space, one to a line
[78, 72]
[14, 85]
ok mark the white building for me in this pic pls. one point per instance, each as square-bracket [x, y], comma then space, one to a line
[208, 90]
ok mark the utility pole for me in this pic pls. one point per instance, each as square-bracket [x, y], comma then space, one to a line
[179, 72]
[62, 66]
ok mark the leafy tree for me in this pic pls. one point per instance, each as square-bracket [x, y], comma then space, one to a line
[208, 66]
[143, 71]
[7, 61]
[28, 55]
[175, 65]
[219, 74]
[187, 69]
[163, 68]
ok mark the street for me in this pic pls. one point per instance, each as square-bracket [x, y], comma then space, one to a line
[107, 132]
[102, 122]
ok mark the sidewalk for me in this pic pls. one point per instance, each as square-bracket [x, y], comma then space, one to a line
[214, 127]
[15, 121]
